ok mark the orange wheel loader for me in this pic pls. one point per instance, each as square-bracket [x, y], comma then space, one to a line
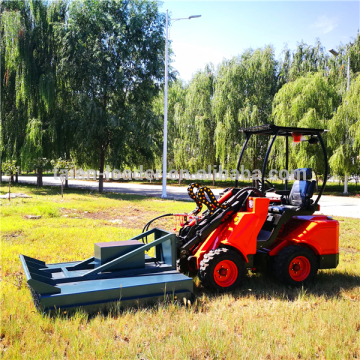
[259, 228]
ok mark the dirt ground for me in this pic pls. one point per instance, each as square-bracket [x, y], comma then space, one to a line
[131, 217]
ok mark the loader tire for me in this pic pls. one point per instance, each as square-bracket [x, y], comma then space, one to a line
[183, 267]
[221, 269]
[295, 265]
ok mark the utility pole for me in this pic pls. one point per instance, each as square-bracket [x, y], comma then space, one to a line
[164, 172]
[347, 89]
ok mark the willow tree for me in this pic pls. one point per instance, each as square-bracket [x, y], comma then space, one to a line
[244, 90]
[344, 160]
[345, 133]
[308, 59]
[13, 111]
[309, 102]
[194, 145]
[176, 106]
[353, 51]
[29, 78]
[112, 62]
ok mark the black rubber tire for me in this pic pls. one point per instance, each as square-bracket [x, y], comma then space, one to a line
[209, 262]
[282, 263]
[182, 266]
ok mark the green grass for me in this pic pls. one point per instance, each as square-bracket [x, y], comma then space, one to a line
[261, 320]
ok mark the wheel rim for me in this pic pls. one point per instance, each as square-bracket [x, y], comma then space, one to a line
[225, 273]
[299, 268]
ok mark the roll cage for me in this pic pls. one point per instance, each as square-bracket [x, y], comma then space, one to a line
[275, 131]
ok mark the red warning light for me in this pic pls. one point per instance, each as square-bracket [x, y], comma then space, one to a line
[296, 137]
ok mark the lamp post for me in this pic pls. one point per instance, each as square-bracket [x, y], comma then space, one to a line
[335, 53]
[164, 173]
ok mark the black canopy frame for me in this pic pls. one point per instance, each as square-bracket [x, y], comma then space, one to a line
[274, 131]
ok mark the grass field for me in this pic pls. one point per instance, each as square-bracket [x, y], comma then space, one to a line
[261, 320]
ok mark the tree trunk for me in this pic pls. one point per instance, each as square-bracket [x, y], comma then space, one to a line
[12, 178]
[213, 178]
[39, 178]
[66, 183]
[101, 170]
[17, 177]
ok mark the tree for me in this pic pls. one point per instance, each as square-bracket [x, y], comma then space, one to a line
[309, 101]
[244, 90]
[308, 59]
[176, 106]
[194, 146]
[39, 164]
[353, 50]
[29, 78]
[9, 167]
[112, 61]
[345, 133]
[64, 166]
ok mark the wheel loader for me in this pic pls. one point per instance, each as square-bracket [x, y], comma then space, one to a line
[260, 229]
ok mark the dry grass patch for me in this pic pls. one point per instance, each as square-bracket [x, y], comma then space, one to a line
[130, 217]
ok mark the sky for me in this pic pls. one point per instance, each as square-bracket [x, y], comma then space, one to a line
[227, 28]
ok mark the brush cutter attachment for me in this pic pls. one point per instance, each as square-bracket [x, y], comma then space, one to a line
[120, 272]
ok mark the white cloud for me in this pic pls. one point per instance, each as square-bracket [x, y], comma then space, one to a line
[325, 24]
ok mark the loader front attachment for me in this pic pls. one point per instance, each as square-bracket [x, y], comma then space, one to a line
[119, 272]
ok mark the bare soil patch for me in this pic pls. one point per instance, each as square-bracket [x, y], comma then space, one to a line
[129, 217]
[14, 235]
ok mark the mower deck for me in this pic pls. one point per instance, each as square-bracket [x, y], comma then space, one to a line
[123, 273]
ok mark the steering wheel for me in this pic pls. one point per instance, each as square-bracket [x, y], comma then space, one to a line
[271, 186]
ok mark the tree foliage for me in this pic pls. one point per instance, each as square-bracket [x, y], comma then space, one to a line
[309, 101]
[345, 133]
[28, 76]
[112, 56]
[244, 90]
[194, 145]
[83, 80]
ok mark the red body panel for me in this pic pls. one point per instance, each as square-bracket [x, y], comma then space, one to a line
[240, 232]
[315, 231]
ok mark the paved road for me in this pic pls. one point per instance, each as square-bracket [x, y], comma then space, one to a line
[329, 205]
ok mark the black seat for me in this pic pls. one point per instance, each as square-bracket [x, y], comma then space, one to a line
[299, 198]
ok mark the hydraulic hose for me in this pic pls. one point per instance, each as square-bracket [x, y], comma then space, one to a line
[146, 227]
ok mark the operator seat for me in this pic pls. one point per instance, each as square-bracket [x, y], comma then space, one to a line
[299, 198]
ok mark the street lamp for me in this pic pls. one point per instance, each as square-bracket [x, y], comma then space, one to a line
[165, 101]
[335, 53]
